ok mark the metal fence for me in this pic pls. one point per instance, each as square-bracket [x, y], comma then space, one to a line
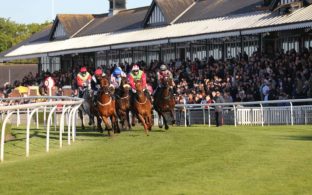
[67, 107]
[278, 112]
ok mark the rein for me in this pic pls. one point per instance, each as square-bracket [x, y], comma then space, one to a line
[124, 97]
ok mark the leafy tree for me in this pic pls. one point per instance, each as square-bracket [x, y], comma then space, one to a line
[12, 33]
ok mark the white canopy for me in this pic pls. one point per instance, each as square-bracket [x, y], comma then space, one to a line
[244, 24]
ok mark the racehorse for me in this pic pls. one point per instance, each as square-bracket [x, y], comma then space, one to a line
[142, 107]
[87, 108]
[123, 103]
[165, 102]
[106, 107]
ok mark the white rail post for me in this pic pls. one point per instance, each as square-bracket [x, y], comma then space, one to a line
[204, 115]
[209, 116]
[45, 116]
[18, 118]
[185, 115]
[69, 125]
[74, 123]
[291, 113]
[62, 124]
[3, 134]
[48, 128]
[235, 119]
[262, 115]
[37, 118]
[28, 130]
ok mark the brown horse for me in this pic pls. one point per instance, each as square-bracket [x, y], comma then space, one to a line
[106, 107]
[123, 103]
[165, 102]
[142, 107]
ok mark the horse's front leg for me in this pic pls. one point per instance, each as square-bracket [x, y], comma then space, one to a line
[133, 119]
[108, 126]
[115, 123]
[141, 118]
[172, 113]
[160, 124]
[128, 119]
[165, 121]
[81, 118]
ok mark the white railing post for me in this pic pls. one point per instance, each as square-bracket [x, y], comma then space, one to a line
[3, 134]
[18, 118]
[37, 118]
[45, 116]
[262, 115]
[185, 115]
[48, 128]
[74, 123]
[204, 115]
[28, 130]
[291, 113]
[209, 116]
[62, 124]
[235, 120]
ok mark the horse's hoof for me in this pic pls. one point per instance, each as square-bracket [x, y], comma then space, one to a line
[166, 127]
[160, 126]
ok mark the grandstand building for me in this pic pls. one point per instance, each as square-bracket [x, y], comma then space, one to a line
[169, 29]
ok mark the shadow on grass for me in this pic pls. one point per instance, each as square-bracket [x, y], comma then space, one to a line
[300, 137]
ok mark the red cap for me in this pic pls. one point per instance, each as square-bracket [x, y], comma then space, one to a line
[98, 72]
[83, 69]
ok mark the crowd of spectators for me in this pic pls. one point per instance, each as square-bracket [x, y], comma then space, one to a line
[284, 75]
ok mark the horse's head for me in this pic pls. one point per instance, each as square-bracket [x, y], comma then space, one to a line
[124, 84]
[138, 86]
[104, 83]
[167, 82]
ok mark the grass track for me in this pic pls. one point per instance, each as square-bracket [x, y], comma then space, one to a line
[193, 160]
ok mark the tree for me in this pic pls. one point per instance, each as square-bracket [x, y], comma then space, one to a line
[12, 33]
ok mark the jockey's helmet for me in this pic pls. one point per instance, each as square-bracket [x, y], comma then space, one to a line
[163, 67]
[98, 72]
[135, 68]
[83, 69]
[117, 71]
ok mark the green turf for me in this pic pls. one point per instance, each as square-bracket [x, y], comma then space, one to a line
[193, 160]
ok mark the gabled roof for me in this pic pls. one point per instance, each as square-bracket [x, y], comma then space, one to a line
[171, 9]
[205, 9]
[72, 23]
[124, 20]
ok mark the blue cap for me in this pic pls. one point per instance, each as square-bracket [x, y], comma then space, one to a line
[117, 71]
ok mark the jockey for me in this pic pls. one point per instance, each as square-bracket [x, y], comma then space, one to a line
[137, 74]
[83, 80]
[164, 72]
[95, 82]
[116, 77]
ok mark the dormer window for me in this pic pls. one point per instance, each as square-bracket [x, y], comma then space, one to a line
[157, 17]
[60, 32]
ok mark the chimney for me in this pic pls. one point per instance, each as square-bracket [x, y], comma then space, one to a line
[115, 6]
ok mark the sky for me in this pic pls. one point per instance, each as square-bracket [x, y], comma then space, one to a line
[39, 11]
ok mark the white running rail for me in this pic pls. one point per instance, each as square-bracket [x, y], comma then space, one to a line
[31, 106]
[277, 112]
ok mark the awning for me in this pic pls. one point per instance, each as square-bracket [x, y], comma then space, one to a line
[248, 23]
